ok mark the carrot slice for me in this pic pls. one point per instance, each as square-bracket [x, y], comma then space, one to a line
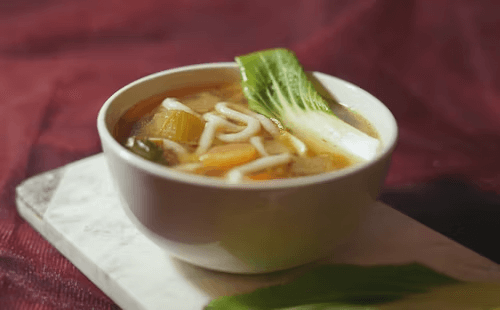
[261, 176]
[229, 155]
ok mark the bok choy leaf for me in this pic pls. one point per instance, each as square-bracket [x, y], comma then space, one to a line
[340, 287]
[276, 86]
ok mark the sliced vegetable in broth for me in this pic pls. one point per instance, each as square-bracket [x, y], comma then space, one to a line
[276, 86]
[210, 130]
[175, 135]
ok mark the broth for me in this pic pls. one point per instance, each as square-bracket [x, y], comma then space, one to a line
[151, 129]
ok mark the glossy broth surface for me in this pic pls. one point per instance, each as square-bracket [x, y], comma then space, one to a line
[155, 133]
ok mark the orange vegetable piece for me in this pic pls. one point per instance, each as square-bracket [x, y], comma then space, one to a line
[229, 155]
[262, 176]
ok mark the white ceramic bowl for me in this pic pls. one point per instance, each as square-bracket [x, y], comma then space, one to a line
[243, 228]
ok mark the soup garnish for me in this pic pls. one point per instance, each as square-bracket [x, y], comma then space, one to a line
[276, 86]
[273, 125]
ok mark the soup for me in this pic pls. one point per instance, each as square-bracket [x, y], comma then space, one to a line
[209, 130]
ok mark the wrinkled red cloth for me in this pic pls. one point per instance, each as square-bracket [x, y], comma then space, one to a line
[435, 64]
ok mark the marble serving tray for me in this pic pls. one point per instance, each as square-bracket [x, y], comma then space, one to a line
[77, 210]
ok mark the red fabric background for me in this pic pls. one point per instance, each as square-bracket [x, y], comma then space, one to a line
[435, 64]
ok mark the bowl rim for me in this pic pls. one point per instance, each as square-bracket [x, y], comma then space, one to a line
[197, 180]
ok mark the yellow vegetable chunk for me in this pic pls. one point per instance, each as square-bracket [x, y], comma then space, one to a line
[229, 155]
[176, 125]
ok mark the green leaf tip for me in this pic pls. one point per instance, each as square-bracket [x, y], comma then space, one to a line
[276, 85]
[345, 286]
[274, 79]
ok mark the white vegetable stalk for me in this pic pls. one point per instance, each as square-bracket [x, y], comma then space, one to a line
[276, 86]
[326, 133]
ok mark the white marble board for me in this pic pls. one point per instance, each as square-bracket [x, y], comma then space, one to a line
[76, 209]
